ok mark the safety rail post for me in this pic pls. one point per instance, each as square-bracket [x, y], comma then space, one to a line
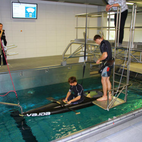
[12, 104]
[116, 41]
[109, 26]
[131, 41]
[102, 22]
[76, 27]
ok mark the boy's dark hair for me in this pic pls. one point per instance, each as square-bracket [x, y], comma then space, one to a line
[72, 79]
[1, 24]
[97, 37]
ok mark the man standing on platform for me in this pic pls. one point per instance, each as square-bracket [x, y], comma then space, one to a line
[106, 59]
[3, 38]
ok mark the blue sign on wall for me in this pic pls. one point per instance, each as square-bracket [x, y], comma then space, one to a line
[30, 12]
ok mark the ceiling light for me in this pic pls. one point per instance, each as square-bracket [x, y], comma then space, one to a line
[129, 3]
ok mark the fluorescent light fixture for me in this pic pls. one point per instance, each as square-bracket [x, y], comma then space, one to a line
[129, 3]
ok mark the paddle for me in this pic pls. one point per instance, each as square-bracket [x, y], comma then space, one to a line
[54, 100]
[62, 105]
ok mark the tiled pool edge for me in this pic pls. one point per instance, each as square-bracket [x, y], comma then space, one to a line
[104, 129]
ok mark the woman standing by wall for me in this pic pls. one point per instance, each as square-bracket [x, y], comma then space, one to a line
[3, 38]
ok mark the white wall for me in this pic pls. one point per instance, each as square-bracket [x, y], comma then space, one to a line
[46, 36]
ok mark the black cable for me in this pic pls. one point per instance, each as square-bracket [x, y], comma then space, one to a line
[84, 66]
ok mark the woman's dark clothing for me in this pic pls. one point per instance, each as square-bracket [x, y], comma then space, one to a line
[122, 24]
[3, 38]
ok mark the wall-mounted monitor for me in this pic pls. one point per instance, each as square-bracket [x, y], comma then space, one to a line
[24, 10]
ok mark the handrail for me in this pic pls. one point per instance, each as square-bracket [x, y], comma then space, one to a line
[99, 13]
[81, 42]
[77, 42]
[12, 104]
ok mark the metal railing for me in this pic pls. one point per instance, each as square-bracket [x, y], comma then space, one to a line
[12, 104]
[92, 50]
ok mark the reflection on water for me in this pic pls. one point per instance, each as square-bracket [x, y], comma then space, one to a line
[48, 128]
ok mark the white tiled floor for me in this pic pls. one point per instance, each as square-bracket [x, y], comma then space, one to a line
[130, 134]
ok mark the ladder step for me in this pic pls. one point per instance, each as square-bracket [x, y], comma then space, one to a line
[120, 74]
[93, 72]
[121, 65]
[123, 92]
[119, 82]
[123, 47]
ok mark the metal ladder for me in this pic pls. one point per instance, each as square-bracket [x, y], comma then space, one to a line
[120, 86]
[123, 83]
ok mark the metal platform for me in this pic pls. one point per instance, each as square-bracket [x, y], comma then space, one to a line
[104, 104]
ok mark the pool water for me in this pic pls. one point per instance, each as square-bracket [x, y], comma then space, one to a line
[48, 128]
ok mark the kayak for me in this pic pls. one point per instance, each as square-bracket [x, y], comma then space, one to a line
[58, 106]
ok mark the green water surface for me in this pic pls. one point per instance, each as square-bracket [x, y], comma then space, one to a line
[52, 127]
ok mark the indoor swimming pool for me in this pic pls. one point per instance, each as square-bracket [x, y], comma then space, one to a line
[48, 128]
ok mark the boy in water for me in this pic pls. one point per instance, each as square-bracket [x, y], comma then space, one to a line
[75, 94]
